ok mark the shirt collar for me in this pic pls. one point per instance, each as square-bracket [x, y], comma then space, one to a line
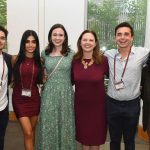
[132, 51]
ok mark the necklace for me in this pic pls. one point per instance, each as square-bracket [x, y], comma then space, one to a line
[87, 64]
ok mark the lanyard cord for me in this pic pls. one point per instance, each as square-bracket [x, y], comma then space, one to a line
[31, 78]
[124, 66]
[3, 71]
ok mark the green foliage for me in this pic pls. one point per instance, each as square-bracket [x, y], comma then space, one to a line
[102, 19]
[104, 16]
[3, 12]
[137, 18]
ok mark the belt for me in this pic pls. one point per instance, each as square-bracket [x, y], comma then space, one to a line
[124, 101]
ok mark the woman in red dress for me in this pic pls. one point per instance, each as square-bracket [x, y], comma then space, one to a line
[88, 70]
[27, 73]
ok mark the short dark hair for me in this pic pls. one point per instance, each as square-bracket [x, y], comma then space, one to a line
[4, 30]
[124, 24]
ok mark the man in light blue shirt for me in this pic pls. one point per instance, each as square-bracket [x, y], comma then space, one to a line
[123, 102]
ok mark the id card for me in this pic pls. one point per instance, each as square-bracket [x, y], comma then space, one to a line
[119, 85]
[26, 92]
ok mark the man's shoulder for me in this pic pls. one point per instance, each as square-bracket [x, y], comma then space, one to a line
[6, 55]
[141, 49]
[110, 53]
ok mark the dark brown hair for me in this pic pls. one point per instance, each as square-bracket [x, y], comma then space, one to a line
[50, 46]
[4, 30]
[97, 54]
[124, 24]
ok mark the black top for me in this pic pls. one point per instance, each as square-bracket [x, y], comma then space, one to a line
[145, 95]
[7, 59]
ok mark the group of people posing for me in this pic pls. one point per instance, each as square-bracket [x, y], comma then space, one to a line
[73, 104]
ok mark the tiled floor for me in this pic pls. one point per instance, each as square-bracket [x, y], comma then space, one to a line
[14, 139]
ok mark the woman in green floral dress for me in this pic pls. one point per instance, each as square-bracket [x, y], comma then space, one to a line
[56, 130]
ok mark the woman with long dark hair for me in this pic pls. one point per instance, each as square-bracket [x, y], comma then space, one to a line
[56, 129]
[27, 73]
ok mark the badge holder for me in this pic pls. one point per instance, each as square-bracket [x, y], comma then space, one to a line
[119, 85]
[26, 92]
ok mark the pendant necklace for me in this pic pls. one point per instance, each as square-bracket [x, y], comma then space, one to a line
[87, 64]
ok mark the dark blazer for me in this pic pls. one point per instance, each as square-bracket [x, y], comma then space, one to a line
[145, 95]
[7, 59]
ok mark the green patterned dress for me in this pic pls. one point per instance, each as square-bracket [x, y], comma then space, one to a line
[56, 128]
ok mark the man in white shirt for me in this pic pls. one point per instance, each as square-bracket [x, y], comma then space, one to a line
[123, 100]
[5, 79]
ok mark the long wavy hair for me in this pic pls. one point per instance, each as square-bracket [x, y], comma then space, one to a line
[50, 46]
[22, 55]
[97, 54]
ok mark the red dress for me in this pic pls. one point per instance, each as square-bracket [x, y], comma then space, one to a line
[23, 105]
[90, 103]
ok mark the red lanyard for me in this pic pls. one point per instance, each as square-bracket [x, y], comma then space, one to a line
[124, 66]
[3, 71]
[31, 78]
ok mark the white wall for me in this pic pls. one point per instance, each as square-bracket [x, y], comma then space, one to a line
[40, 15]
[68, 12]
[21, 15]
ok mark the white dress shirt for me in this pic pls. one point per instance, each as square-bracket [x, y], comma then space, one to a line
[3, 90]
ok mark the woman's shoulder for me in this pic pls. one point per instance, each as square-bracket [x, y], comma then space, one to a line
[104, 57]
[43, 53]
[14, 59]
[76, 61]
[71, 52]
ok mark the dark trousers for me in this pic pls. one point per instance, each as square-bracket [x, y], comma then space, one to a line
[123, 117]
[3, 125]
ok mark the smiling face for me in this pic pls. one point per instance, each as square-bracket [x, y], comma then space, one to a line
[123, 37]
[58, 37]
[2, 40]
[30, 45]
[88, 42]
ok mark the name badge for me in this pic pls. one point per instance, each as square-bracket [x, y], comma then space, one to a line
[26, 92]
[119, 85]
